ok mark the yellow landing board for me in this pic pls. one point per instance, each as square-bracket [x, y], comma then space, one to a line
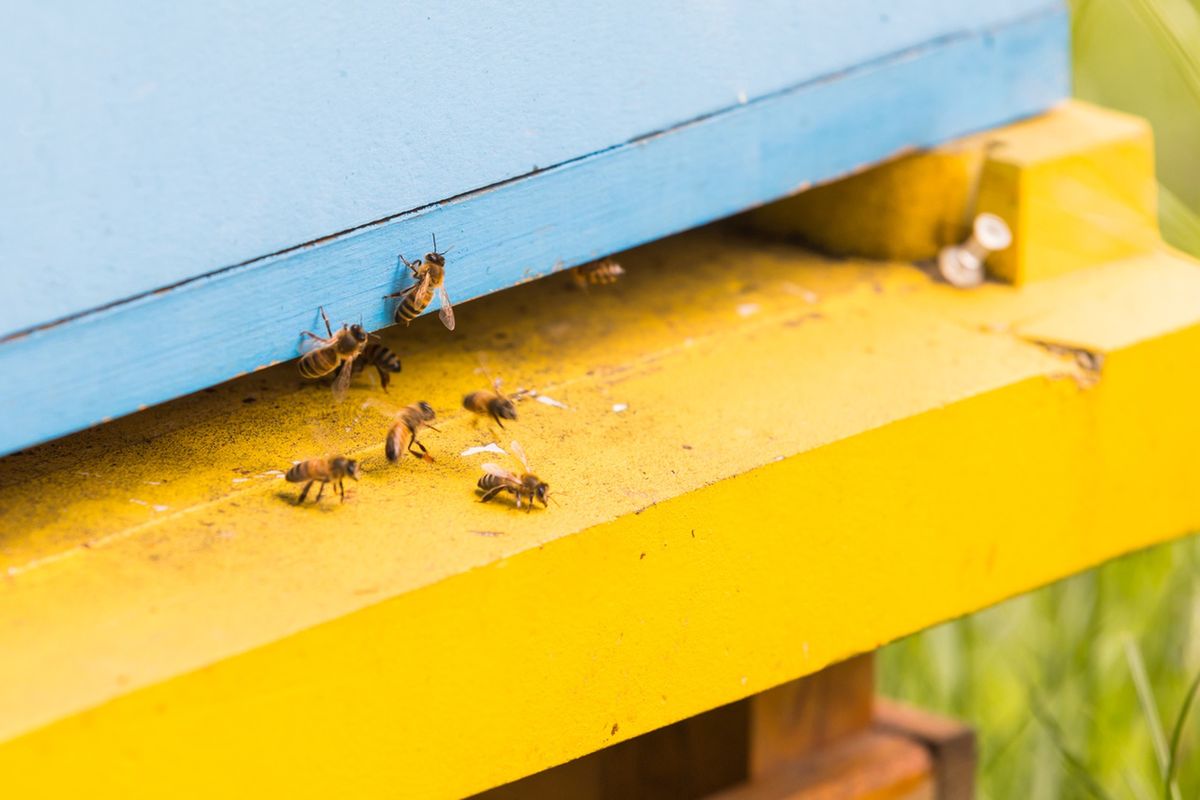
[768, 461]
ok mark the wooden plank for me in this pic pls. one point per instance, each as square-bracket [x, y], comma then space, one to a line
[692, 758]
[1076, 187]
[194, 335]
[949, 742]
[716, 538]
[803, 716]
[147, 145]
[878, 766]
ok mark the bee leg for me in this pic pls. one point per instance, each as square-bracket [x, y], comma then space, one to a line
[328, 327]
[424, 454]
[320, 492]
[490, 493]
[498, 422]
[342, 490]
[384, 378]
[304, 492]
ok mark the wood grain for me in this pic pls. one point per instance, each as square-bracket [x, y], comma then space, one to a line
[803, 716]
[950, 743]
[872, 765]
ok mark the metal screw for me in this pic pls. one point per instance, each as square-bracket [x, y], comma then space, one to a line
[962, 265]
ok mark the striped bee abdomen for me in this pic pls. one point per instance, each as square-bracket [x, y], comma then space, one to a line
[397, 442]
[311, 470]
[490, 481]
[412, 305]
[381, 358]
[319, 362]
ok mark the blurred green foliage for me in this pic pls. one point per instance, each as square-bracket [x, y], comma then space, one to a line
[1049, 679]
[1143, 56]
[1075, 689]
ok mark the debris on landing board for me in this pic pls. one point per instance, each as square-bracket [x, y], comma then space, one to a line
[550, 401]
[747, 309]
[491, 447]
[619, 407]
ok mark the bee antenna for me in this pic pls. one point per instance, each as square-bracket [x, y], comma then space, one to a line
[434, 242]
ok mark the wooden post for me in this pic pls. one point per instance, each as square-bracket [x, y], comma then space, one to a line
[822, 736]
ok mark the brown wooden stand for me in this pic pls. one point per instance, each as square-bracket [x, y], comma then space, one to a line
[821, 737]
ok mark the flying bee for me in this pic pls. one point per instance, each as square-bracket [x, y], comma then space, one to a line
[597, 273]
[403, 433]
[492, 403]
[329, 352]
[381, 358]
[429, 274]
[333, 470]
[525, 487]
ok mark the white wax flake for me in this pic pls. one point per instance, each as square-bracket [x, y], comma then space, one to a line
[619, 407]
[240, 480]
[139, 502]
[550, 401]
[489, 448]
[747, 309]
[154, 483]
[160, 508]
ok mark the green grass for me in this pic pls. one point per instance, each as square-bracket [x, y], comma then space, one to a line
[1143, 56]
[1080, 690]
[1051, 680]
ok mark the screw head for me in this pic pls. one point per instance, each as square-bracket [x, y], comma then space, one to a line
[992, 232]
[960, 268]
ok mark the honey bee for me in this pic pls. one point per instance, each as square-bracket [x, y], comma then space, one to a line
[403, 433]
[329, 352]
[597, 273]
[429, 275]
[493, 403]
[527, 486]
[381, 358]
[326, 470]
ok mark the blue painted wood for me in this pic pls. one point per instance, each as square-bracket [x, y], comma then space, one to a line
[145, 143]
[68, 376]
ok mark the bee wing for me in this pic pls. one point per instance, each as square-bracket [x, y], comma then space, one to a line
[310, 343]
[446, 312]
[519, 452]
[498, 471]
[342, 382]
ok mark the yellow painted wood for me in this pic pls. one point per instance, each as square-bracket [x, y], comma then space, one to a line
[905, 209]
[1076, 185]
[815, 458]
